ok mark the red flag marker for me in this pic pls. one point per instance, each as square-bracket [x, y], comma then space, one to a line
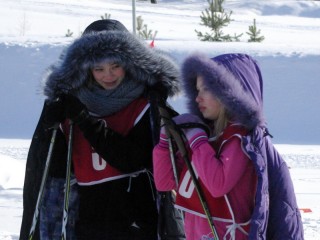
[305, 210]
[154, 36]
[152, 44]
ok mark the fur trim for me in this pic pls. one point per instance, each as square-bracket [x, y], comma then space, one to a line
[142, 63]
[234, 79]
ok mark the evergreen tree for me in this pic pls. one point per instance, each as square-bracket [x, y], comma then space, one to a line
[143, 30]
[105, 16]
[254, 33]
[215, 18]
[69, 33]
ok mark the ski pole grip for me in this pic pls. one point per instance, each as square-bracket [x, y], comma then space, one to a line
[172, 129]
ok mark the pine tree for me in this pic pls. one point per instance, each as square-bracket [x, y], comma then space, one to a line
[215, 18]
[143, 30]
[105, 16]
[254, 33]
[69, 33]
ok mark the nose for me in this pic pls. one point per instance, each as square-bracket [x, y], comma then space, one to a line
[198, 98]
[107, 73]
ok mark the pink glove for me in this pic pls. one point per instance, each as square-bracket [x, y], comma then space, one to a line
[195, 135]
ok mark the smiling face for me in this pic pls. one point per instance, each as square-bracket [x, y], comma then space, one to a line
[108, 75]
[208, 104]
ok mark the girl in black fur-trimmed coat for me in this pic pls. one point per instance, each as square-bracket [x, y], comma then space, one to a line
[101, 85]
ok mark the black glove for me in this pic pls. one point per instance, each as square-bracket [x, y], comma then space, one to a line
[54, 113]
[159, 90]
[75, 109]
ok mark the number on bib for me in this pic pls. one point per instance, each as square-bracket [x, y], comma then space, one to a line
[98, 162]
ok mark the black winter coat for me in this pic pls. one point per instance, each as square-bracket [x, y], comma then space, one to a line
[123, 207]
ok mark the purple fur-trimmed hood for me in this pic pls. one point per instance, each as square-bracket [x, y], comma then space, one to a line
[235, 79]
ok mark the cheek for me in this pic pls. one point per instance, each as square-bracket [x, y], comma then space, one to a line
[96, 75]
[217, 105]
[120, 73]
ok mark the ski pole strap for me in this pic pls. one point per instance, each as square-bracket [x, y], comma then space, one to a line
[195, 125]
[172, 129]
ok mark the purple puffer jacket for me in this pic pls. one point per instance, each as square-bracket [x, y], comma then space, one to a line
[276, 214]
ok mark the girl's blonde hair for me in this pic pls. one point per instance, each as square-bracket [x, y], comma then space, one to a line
[222, 121]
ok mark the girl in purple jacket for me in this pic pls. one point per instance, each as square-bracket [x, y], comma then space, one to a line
[246, 183]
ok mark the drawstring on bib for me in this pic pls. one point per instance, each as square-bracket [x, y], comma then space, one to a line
[129, 186]
[231, 230]
[150, 177]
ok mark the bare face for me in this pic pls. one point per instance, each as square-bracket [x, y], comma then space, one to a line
[208, 104]
[108, 75]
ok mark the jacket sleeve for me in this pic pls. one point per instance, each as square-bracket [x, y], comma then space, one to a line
[128, 153]
[163, 170]
[35, 164]
[221, 174]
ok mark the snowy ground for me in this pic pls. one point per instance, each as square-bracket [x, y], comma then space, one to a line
[304, 162]
[32, 35]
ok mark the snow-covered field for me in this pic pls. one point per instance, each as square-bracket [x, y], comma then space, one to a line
[304, 162]
[32, 35]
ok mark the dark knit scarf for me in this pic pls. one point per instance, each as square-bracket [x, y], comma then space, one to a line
[102, 102]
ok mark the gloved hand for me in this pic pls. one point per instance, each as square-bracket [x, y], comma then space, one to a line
[190, 125]
[54, 113]
[187, 118]
[75, 109]
[160, 89]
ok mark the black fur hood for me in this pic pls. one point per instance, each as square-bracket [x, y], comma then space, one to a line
[143, 63]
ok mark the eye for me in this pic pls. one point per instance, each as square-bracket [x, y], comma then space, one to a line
[115, 66]
[202, 89]
[205, 89]
[96, 69]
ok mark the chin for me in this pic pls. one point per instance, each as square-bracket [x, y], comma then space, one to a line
[208, 117]
[205, 116]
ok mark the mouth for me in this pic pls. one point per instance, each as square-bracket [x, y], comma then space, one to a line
[107, 83]
[201, 108]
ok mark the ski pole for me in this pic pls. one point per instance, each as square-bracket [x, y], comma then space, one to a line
[67, 185]
[178, 136]
[155, 122]
[154, 100]
[174, 168]
[173, 160]
[43, 182]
